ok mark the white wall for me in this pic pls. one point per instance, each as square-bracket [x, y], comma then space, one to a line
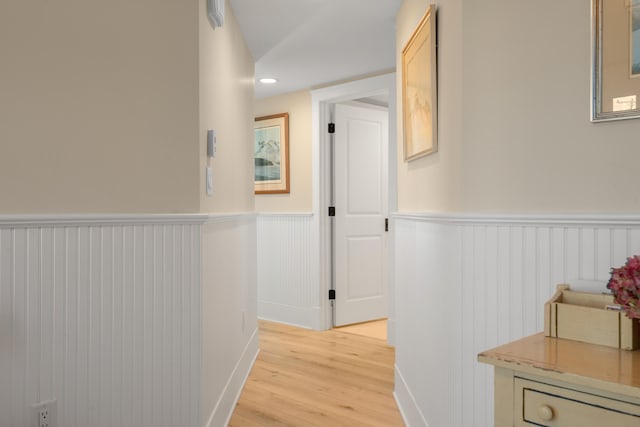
[103, 315]
[468, 283]
[287, 292]
[127, 320]
[229, 312]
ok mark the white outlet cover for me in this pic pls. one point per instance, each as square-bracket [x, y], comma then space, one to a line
[51, 406]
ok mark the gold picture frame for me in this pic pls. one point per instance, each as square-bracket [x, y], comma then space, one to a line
[420, 89]
[615, 74]
[271, 154]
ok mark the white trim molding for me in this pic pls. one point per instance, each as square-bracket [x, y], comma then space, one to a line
[71, 220]
[409, 410]
[285, 214]
[230, 216]
[322, 102]
[223, 410]
[522, 219]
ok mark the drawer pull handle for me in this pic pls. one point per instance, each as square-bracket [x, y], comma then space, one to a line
[545, 412]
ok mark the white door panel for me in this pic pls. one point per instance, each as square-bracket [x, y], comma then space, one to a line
[365, 280]
[361, 145]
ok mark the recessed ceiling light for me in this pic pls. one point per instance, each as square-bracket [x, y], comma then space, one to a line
[268, 80]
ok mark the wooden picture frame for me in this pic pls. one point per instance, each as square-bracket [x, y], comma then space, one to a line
[615, 74]
[271, 154]
[420, 89]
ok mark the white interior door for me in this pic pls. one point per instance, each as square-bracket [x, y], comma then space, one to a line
[360, 192]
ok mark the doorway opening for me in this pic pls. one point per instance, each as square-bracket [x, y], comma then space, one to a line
[324, 102]
[359, 226]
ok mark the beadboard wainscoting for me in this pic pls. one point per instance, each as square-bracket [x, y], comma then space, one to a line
[468, 283]
[101, 314]
[229, 312]
[288, 289]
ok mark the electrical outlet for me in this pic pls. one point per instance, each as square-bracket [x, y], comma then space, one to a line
[45, 414]
[43, 419]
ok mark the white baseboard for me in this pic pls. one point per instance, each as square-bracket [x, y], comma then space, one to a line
[222, 412]
[391, 332]
[295, 316]
[411, 414]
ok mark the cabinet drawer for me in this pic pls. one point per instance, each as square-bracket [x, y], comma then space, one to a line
[545, 405]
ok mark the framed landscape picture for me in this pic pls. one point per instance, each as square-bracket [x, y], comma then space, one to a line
[419, 89]
[271, 154]
[615, 87]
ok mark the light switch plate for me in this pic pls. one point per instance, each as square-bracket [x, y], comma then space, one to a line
[209, 181]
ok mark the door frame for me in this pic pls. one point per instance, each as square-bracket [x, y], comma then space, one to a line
[322, 101]
[340, 309]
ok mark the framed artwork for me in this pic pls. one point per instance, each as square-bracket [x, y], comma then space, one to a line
[419, 89]
[271, 154]
[615, 76]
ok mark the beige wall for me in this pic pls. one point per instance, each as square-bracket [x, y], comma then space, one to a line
[528, 142]
[226, 105]
[514, 99]
[432, 183]
[98, 106]
[298, 105]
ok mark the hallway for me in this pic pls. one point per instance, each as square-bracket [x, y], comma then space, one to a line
[310, 378]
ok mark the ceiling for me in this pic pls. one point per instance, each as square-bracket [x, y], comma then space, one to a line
[311, 43]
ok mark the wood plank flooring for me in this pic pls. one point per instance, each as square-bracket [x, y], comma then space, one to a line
[309, 378]
[373, 329]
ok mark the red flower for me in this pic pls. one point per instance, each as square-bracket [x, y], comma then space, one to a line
[625, 285]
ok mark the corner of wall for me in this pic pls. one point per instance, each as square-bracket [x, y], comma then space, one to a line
[226, 77]
[223, 410]
[411, 414]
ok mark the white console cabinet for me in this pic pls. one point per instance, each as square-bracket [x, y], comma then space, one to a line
[543, 381]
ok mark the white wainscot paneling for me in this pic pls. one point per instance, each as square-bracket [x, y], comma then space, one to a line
[287, 290]
[229, 318]
[465, 284]
[102, 315]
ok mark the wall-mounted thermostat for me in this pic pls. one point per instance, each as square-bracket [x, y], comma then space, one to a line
[211, 143]
[215, 12]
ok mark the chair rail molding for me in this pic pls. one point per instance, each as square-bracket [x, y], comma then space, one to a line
[38, 220]
[578, 219]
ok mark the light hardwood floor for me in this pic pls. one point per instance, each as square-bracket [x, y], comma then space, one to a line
[373, 329]
[310, 378]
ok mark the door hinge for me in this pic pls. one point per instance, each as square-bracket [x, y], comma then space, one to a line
[332, 294]
[332, 128]
[386, 224]
[332, 211]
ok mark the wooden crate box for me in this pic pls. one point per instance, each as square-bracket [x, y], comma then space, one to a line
[582, 316]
